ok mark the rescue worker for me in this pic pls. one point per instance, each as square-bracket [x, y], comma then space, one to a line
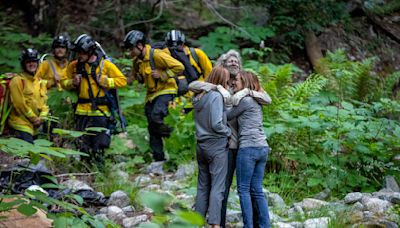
[160, 83]
[28, 98]
[52, 69]
[91, 76]
[198, 61]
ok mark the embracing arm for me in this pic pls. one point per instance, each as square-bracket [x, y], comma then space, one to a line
[236, 111]
[261, 97]
[198, 86]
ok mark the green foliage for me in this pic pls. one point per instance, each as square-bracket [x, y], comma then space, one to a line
[40, 149]
[383, 7]
[396, 210]
[224, 38]
[12, 42]
[159, 204]
[352, 80]
[218, 42]
[61, 105]
[181, 145]
[328, 132]
[73, 214]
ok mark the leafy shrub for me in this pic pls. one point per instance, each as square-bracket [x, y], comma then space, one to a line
[181, 145]
[328, 136]
[13, 41]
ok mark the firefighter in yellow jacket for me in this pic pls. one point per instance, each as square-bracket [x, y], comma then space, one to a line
[91, 76]
[198, 66]
[52, 69]
[28, 98]
[161, 86]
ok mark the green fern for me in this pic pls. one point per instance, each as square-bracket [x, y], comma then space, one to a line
[389, 83]
[351, 80]
[309, 88]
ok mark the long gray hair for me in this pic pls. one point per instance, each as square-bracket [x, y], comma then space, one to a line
[224, 57]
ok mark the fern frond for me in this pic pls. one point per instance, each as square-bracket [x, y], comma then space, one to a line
[310, 87]
[351, 79]
[389, 83]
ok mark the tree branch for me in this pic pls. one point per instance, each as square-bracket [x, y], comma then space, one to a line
[76, 174]
[162, 2]
[216, 13]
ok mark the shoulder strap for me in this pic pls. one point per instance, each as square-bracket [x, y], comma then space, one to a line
[151, 58]
[194, 55]
[53, 69]
[101, 67]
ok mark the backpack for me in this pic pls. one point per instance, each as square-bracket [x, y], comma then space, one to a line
[5, 107]
[189, 74]
[110, 99]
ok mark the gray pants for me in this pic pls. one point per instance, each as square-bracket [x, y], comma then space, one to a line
[212, 158]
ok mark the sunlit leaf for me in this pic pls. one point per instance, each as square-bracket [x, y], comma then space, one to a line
[191, 217]
[155, 201]
[26, 209]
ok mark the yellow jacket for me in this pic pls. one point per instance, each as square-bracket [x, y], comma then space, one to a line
[51, 71]
[28, 101]
[166, 65]
[204, 67]
[111, 78]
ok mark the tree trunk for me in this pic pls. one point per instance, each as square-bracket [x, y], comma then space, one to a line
[314, 52]
[119, 32]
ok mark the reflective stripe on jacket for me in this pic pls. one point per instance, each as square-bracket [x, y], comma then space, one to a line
[111, 78]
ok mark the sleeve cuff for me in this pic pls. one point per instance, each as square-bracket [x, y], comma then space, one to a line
[30, 114]
[170, 73]
[67, 83]
[43, 114]
[164, 76]
[111, 83]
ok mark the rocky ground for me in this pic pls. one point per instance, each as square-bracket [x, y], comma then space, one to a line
[356, 209]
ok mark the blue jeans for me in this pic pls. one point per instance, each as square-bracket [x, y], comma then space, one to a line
[250, 166]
